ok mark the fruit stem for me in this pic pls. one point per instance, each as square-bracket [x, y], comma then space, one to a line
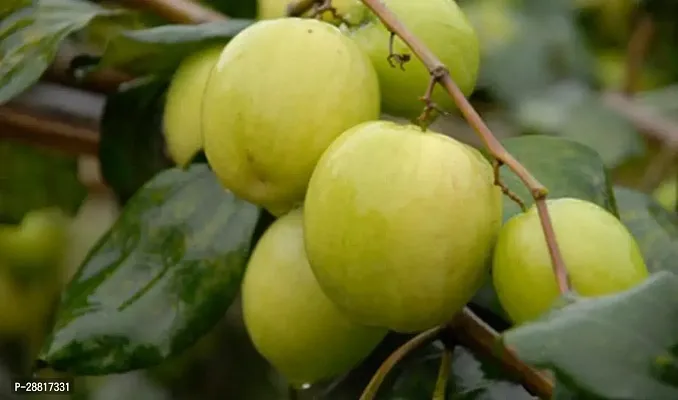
[472, 332]
[416, 342]
[443, 374]
[638, 47]
[439, 71]
[178, 11]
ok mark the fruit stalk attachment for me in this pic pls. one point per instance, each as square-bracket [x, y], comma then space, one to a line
[416, 342]
[443, 374]
[441, 76]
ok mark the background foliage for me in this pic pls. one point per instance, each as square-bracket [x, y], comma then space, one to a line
[153, 288]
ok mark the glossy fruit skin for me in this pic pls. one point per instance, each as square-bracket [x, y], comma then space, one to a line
[600, 254]
[400, 223]
[281, 92]
[446, 31]
[183, 105]
[289, 319]
[352, 11]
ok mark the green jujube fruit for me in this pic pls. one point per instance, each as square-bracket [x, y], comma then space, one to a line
[444, 28]
[400, 223]
[281, 92]
[182, 125]
[289, 319]
[599, 252]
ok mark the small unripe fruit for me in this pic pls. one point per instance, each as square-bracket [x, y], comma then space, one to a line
[281, 92]
[443, 27]
[667, 194]
[599, 252]
[289, 319]
[37, 243]
[183, 105]
[400, 224]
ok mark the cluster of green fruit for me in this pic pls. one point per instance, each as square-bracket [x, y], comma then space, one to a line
[381, 226]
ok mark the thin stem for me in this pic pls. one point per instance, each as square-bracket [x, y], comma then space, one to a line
[178, 11]
[423, 338]
[41, 130]
[440, 72]
[298, 8]
[443, 374]
[636, 53]
[645, 120]
[474, 333]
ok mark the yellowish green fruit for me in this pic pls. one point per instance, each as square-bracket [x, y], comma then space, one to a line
[37, 243]
[281, 92]
[495, 22]
[289, 319]
[352, 11]
[400, 223]
[445, 30]
[666, 194]
[600, 254]
[183, 105]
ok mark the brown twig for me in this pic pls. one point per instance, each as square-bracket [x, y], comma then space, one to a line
[177, 11]
[103, 81]
[504, 189]
[655, 126]
[298, 8]
[472, 332]
[439, 71]
[637, 50]
[423, 338]
[40, 130]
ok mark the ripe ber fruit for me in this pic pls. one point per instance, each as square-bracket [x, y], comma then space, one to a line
[289, 319]
[600, 254]
[352, 11]
[400, 223]
[667, 194]
[443, 27]
[281, 92]
[183, 105]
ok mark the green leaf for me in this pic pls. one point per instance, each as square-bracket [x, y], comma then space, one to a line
[160, 50]
[132, 147]
[512, 32]
[566, 168]
[30, 38]
[32, 178]
[572, 111]
[654, 227]
[616, 347]
[471, 377]
[160, 279]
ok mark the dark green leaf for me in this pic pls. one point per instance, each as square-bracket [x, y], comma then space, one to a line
[33, 178]
[31, 36]
[572, 111]
[132, 147]
[234, 8]
[655, 228]
[566, 168]
[161, 278]
[616, 347]
[471, 377]
[159, 50]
